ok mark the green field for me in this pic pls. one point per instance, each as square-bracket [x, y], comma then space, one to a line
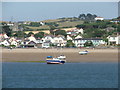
[44, 27]
[70, 24]
[66, 24]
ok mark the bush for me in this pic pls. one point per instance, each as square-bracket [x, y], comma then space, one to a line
[88, 43]
[70, 44]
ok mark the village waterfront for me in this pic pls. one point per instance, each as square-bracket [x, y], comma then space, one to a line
[26, 68]
[59, 32]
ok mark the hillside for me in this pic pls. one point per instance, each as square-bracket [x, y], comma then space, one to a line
[61, 23]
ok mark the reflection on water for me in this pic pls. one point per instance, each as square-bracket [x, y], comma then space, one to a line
[68, 75]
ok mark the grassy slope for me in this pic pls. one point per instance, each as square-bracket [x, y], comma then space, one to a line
[62, 25]
[68, 24]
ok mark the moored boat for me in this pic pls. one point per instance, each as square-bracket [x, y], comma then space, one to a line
[83, 52]
[58, 60]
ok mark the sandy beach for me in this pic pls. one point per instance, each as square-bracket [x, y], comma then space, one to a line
[94, 55]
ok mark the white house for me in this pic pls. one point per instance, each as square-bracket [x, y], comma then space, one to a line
[81, 41]
[3, 36]
[32, 38]
[114, 39]
[10, 24]
[5, 43]
[78, 36]
[48, 38]
[14, 43]
[12, 39]
[46, 44]
[69, 37]
[99, 18]
[79, 30]
[69, 32]
[59, 41]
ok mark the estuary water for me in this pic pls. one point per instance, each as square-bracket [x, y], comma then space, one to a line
[68, 75]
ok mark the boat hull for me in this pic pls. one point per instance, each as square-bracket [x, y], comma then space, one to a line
[55, 62]
[83, 53]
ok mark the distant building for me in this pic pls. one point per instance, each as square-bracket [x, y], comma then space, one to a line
[10, 24]
[42, 23]
[99, 18]
[115, 21]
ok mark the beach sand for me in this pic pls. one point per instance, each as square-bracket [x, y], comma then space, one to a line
[94, 55]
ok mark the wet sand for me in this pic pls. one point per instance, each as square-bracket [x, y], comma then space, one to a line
[33, 55]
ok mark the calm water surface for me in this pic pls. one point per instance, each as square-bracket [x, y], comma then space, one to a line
[68, 75]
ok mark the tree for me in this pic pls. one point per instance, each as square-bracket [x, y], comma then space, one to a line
[89, 16]
[94, 16]
[70, 43]
[3, 23]
[7, 30]
[81, 26]
[61, 32]
[52, 23]
[35, 24]
[40, 34]
[19, 34]
[88, 43]
[118, 18]
[98, 33]
[27, 29]
[82, 16]
[118, 28]
[51, 28]
[95, 26]
[106, 40]
[29, 34]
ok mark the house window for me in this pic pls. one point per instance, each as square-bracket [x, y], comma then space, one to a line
[56, 40]
[113, 38]
[60, 40]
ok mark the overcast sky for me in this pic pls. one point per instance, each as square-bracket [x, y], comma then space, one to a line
[38, 11]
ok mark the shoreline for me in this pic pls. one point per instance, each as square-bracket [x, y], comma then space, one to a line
[39, 55]
[56, 50]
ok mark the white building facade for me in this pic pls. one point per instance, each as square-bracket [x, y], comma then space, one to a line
[99, 18]
[114, 40]
[80, 42]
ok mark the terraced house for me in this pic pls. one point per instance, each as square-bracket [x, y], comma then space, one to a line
[81, 41]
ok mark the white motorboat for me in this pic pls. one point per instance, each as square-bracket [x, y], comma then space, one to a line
[58, 60]
[83, 52]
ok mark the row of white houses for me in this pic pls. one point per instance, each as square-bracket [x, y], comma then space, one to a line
[96, 42]
[60, 40]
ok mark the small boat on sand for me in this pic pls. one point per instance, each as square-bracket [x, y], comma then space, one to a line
[58, 60]
[83, 52]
